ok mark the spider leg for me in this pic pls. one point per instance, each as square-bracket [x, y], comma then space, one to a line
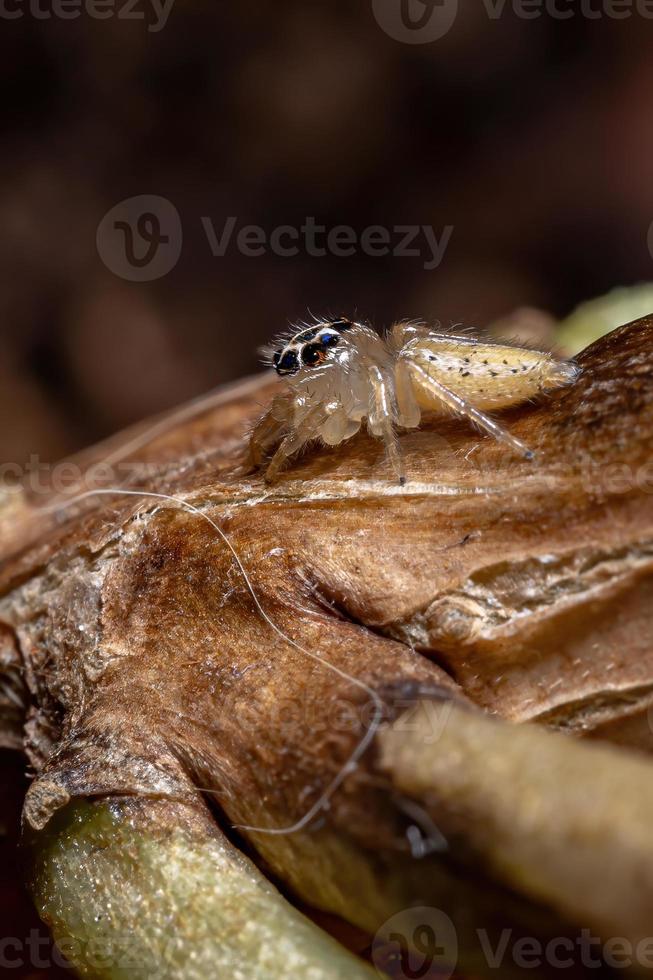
[460, 406]
[380, 421]
[408, 411]
[306, 430]
[266, 432]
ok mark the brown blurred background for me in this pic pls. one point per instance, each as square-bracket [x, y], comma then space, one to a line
[532, 138]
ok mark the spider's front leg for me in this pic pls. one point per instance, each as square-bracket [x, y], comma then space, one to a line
[269, 430]
[305, 429]
[433, 391]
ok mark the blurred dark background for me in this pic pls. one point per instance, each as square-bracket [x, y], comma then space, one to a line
[533, 138]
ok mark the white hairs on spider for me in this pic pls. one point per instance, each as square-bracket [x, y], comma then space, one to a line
[340, 373]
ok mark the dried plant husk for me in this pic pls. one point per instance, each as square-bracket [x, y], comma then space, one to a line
[514, 588]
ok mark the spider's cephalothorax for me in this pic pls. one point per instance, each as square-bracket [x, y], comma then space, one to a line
[339, 373]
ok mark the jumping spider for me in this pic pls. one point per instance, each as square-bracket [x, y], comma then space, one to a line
[341, 372]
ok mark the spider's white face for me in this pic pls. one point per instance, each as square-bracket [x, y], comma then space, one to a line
[310, 347]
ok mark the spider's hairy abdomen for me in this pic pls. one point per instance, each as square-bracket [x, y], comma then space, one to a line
[489, 375]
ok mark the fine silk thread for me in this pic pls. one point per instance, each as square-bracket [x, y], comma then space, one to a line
[362, 746]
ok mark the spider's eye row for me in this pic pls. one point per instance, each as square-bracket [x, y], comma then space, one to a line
[309, 347]
[312, 354]
[306, 335]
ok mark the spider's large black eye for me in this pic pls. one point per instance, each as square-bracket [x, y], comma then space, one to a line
[312, 354]
[288, 363]
[329, 339]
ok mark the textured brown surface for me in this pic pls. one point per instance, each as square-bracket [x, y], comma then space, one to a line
[523, 588]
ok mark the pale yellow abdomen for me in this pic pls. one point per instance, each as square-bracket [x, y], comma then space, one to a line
[487, 375]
